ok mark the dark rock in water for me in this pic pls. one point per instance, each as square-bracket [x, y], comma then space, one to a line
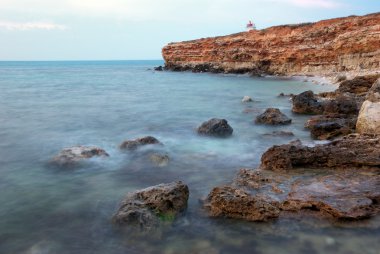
[146, 208]
[231, 202]
[215, 127]
[285, 95]
[307, 103]
[351, 151]
[280, 134]
[273, 116]
[327, 127]
[73, 155]
[341, 104]
[358, 85]
[134, 144]
[159, 68]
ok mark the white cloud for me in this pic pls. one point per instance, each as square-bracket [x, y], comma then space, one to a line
[9, 25]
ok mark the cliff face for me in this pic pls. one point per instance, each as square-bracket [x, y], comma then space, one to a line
[350, 44]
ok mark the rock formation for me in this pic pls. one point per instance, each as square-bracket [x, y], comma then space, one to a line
[146, 208]
[134, 144]
[349, 44]
[71, 156]
[215, 127]
[369, 115]
[273, 116]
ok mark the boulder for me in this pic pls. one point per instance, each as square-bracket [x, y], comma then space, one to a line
[306, 103]
[273, 116]
[359, 85]
[246, 99]
[134, 144]
[215, 127]
[369, 115]
[327, 127]
[236, 203]
[353, 150]
[71, 156]
[148, 207]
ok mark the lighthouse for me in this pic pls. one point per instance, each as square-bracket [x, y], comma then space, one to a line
[251, 26]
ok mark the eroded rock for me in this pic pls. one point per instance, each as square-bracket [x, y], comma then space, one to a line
[134, 144]
[71, 156]
[306, 103]
[327, 127]
[352, 151]
[146, 208]
[369, 115]
[215, 127]
[273, 116]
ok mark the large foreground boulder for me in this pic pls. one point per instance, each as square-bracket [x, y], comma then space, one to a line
[215, 127]
[146, 208]
[352, 151]
[273, 116]
[71, 156]
[327, 127]
[134, 144]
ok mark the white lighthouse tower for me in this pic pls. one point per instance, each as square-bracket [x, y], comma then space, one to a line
[251, 26]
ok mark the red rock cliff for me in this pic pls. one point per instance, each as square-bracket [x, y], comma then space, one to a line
[349, 44]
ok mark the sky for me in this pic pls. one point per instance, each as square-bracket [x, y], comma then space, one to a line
[138, 29]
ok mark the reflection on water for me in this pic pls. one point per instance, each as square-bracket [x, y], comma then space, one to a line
[47, 106]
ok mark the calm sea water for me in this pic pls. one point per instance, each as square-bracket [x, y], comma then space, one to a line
[46, 106]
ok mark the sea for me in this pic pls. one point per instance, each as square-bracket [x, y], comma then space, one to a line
[47, 106]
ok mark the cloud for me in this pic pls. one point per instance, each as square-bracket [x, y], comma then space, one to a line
[9, 25]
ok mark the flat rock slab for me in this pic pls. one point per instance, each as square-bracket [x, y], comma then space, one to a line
[71, 156]
[351, 151]
[260, 195]
[146, 208]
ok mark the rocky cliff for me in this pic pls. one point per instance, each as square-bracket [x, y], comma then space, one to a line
[350, 44]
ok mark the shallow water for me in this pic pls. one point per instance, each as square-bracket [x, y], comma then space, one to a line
[46, 106]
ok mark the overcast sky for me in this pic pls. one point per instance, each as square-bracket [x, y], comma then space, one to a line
[138, 29]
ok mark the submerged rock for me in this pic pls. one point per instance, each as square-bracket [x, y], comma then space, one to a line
[246, 99]
[72, 155]
[146, 208]
[280, 134]
[160, 160]
[215, 127]
[327, 127]
[352, 151]
[134, 144]
[231, 202]
[273, 116]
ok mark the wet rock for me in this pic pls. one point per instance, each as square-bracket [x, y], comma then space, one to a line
[134, 144]
[358, 85]
[146, 208]
[341, 104]
[246, 99]
[236, 203]
[160, 160]
[346, 195]
[73, 155]
[273, 116]
[159, 68]
[352, 151]
[286, 95]
[327, 127]
[280, 134]
[307, 103]
[215, 127]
